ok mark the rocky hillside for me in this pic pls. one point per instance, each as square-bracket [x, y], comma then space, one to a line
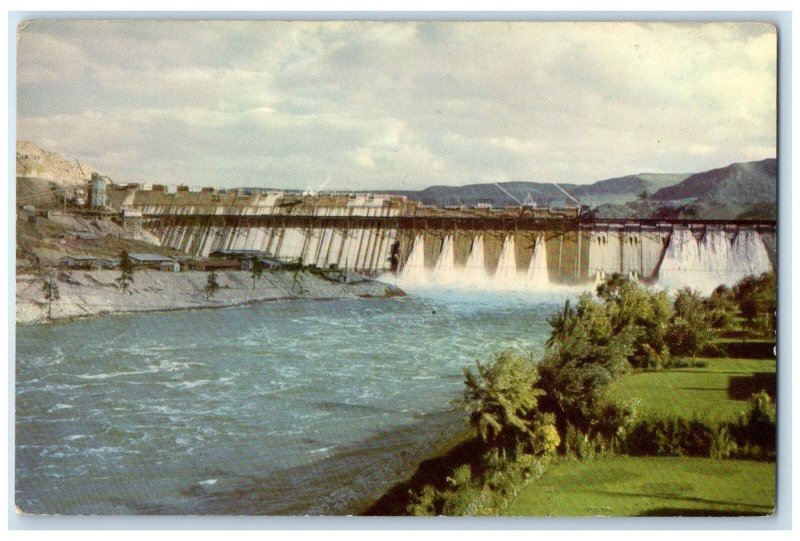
[740, 190]
[621, 189]
[34, 162]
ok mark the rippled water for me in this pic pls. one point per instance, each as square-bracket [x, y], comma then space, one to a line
[277, 408]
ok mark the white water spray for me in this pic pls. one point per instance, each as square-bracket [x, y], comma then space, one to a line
[444, 271]
[506, 273]
[537, 269]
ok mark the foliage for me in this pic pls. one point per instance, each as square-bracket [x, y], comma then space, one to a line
[691, 329]
[671, 436]
[755, 428]
[633, 308]
[212, 285]
[721, 309]
[583, 357]
[51, 293]
[502, 403]
[757, 300]
[126, 271]
[485, 494]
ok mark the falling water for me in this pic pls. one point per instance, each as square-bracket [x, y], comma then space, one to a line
[506, 272]
[444, 271]
[537, 270]
[714, 260]
[749, 253]
[475, 268]
[413, 271]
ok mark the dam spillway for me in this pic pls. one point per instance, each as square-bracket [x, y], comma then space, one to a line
[376, 234]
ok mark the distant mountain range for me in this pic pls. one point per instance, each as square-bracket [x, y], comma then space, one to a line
[740, 190]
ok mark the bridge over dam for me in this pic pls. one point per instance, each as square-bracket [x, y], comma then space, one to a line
[376, 234]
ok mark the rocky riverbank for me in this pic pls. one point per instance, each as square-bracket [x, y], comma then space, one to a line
[88, 293]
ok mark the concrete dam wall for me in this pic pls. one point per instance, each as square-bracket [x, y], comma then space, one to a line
[381, 233]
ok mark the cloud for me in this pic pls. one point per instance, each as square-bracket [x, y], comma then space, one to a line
[376, 105]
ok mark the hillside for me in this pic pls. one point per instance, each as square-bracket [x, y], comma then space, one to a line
[620, 190]
[34, 162]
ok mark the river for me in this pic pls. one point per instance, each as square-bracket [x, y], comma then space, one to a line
[276, 408]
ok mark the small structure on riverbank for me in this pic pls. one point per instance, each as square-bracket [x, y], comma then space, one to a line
[80, 261]
[151, 261]
[267, 263]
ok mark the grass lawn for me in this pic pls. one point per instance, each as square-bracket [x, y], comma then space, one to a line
[650, 486]
[717, 391]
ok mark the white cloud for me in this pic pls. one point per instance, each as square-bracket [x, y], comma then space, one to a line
[378, 105]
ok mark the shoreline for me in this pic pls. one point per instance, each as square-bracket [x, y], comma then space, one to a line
[85, 294]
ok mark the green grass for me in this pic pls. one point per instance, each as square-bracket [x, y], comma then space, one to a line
[717, 391]
[650, 486]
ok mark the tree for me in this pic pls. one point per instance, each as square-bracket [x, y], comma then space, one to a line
[257, 270]
[757, 300]
[629, 305]
[212, 285]
[126, 271]
[501, 400]
[722, 309]
[584, 356]
[690, 330]
[644, 195]
[51, 293]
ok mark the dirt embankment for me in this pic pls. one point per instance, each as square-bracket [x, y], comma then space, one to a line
[87, 293]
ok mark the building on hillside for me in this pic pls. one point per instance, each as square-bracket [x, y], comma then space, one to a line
[151, 261]
[170, 266]
[236, 254]
[267, 263]
[80, 261]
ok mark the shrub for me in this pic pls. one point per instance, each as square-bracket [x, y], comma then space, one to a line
[690, 330]
[502, 402]
[721, 308]
[583, 357]
[671, 436]
[757, 300]
[633, 308]
[755, 428]
[722, 443]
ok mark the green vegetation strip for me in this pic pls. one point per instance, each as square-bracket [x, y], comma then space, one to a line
[717, 391]
[650, 486]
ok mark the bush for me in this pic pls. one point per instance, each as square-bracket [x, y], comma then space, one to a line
[488, 494]
[757, 300]
[691, 329]
[583, 357]
[755, 428]
[502, 402]
[633, 308]
[671, 436]
[721, 308]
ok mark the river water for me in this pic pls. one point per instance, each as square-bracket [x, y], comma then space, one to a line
[275, 408]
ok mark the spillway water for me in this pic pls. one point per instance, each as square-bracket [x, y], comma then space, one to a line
[506, 273]
[414, 272]
[537, 270]
[475, 268]
[444, 272]
[277, 408]
[713, 260]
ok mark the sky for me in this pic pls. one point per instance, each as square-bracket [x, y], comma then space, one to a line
[396, 105]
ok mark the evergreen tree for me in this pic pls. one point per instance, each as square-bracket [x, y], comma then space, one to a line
[126, 271]
[212, 285]
[51, 293]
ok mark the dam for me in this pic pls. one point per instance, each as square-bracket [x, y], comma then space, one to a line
[508, 247]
